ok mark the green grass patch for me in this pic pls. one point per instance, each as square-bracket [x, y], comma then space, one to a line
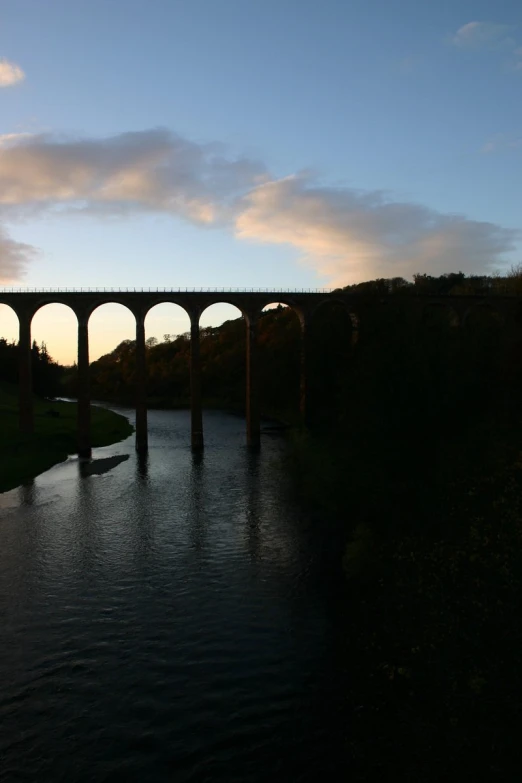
[23, 457]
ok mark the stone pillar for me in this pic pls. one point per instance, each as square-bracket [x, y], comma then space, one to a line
[141, 387]
[195, 384]
[25, 374]
[84, 392]
[252, 382]
[305, 381]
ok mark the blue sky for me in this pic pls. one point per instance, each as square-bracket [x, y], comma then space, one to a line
[288, 143]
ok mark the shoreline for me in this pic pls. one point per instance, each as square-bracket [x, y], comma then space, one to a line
[24, 457]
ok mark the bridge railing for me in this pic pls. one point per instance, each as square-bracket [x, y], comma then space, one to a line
[157, 290]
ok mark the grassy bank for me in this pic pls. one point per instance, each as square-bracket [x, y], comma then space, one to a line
[23, 457]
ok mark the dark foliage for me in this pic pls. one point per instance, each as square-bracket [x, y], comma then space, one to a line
[47, 374]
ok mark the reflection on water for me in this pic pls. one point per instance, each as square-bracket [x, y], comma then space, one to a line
[170, 619]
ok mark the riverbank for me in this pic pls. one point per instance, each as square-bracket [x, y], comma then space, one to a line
[22, 457]
[433, 627]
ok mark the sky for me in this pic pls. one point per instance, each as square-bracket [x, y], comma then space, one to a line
[252, 143]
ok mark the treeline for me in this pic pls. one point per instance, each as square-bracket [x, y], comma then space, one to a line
[48, 375]
[451, 284]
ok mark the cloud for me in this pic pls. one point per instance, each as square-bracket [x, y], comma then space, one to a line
[152, 170]
[483, 35]
[10, 73]
[346, 235]
[489, 36]
[10, 138]
[502, 141]
[14, 258]
[351, 235]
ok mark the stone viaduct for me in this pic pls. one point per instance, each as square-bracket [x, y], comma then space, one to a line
[26, 303]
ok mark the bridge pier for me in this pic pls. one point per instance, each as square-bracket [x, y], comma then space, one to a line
[84, 395]
[196, 413]
[141, 387]
[250, 303]
[25, 374]
[305, 402]
[252, 382]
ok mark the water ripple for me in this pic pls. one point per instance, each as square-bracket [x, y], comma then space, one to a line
[168, 621]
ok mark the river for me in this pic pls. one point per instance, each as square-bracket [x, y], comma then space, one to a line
[174, 619]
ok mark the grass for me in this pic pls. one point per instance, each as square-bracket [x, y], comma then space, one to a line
[22, 457]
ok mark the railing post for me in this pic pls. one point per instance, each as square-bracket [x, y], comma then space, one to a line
[196, 413]
[141, 386]
[84, 393]
[252, 381]
[25, 374]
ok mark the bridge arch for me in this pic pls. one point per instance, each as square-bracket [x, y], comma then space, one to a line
[285, 301]
[280, 339]
[156, 301]
[347, 307]
[55, 323]
[168, 342]
[46, 301]
[232, 362]
[110, 324]
[482, 314]
[439, 315]
[95, 304]
[237, 306]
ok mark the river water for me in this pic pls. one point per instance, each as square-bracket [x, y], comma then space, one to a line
[175, 619]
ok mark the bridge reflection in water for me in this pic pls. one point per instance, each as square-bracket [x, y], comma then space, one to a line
[251, 303]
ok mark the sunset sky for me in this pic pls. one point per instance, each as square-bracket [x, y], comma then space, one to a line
[253, 143]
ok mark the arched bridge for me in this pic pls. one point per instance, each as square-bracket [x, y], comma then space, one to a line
[305, 303]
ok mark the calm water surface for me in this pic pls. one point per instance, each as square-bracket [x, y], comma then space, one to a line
[172, 620]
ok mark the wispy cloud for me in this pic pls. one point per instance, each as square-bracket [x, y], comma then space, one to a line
[10, 73]
[153, 170]
[346, 235]
[349, 235]
[10, 138]
[501, 142]
[492, 37]
[14, 258]
[483, 35]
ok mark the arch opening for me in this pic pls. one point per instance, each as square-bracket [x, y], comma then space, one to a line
[483, 317]
[167, 332]
[54, 334]
[439, 317]
[223, 357]
[112, 353]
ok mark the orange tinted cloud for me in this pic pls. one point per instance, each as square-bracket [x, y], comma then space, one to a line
[346, 235]
[350, 235]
